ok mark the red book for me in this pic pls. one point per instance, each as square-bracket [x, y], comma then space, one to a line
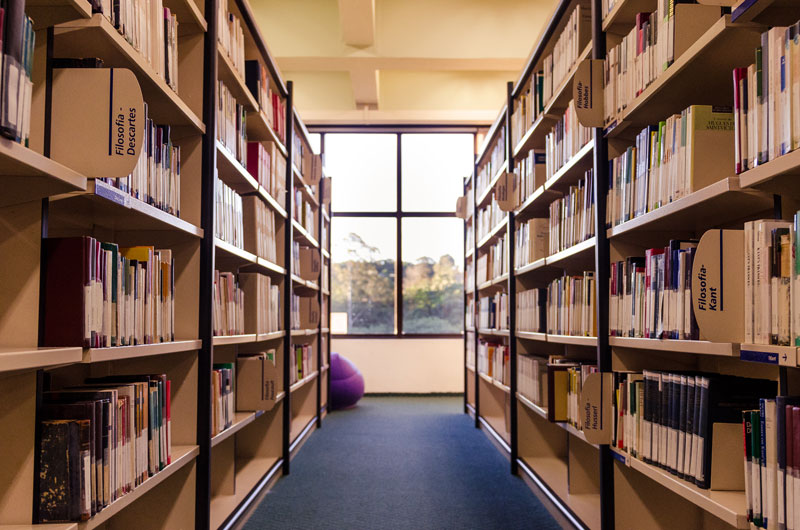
[67, 275]
[254, 150]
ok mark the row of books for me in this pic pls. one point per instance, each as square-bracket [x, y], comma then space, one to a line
[262, 303]
[16, 64]
[156, 179]
[571, 305]
[532, 241]
[655, 41]
[469, 276]
[302, 362]
[530, 174]
[231, 37]
[555, 66]
[100, 295]
[471, 349]
[497, 255]
[681, 155]
[261, 231]
[229, 214]
[669, 420]
[767, 99]
[257, 78]
[494, 361]
[229, 312]
[303, 212]
[532, 379]
[268, 166]
[223, 400]
[651, 296]
[304, 312]
[772, 268]
[150, 28]
[564, 140]
[469, 320]
[492, 163]
[99, 441]
[567, 384]
[532, 310]
[493, 311]
[572, 216]
[488, 218]
[232, 124]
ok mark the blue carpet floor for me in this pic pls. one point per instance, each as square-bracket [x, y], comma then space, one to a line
[400, 463]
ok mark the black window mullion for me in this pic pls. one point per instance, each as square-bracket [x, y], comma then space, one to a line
[398, 281]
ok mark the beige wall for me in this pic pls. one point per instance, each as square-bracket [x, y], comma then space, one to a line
[406, 365]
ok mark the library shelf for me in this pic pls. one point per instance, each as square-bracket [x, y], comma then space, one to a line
[778, 175]
[574, 170]
[96, 37]
[471, 368]
[622, 16]
[233, 173]
[326, 254]
[729, 506]
[233, 81]
[181, 456]
[501, 386]
[576, 256]
[531, 335]
[468, 254]
[300, 183]
[324, 368]
[697, 347]
[325, 216]
[104, 205]
[270, 200]
[491, 135]
[493, 332]
[240, 420]
[226, 340]
[487, 193]
[553, 471]
[228, 253]
[48, 526]
[486, 378]
[28, 175]
[495, 284]
[258, 129]
[541, 411]
[190, 18]
[766, 12]
[307, 379]
[249, 472]
[534, 137]
[497, 434]
[325, 330]
[495, 233]
[114, 353]
[768, 354]
[469, 291]
[304, 332]
[572, 339]
[301, 426]
[303, 235]
[469, 329]
[13, 359]
[273, 335]
[326, 292]
[539, 264]
[722, 202]
[47, 13]
[724, 46]
[537, 204]
[270, 267]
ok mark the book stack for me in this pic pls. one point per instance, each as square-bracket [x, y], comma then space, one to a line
[651, 296]
[302, 362]
[532, 378]
[232, 124]
[681, 155]
[150, 28]
[564, 140]
[489, 169]
[494, 361]
[156, 179]
[99, 441]
[469, 276]
[296, 256]
[767, 99]
[228, 305]
[531, 176]
[532, 241]
[669, 419]
[498, 257]
[488, 218]
[263, 165]
[470, 235]
[259, 221]
[222, 398]
[262, 303]
[231, 37]
[483, 269]
[532, 310]
[17, 46]
[295, 323]
[771, 275]
[100, 295]
[303, 212]
[493, 312]
[571, 306]
[229, 218]
[555, 67]
[572, 216]
[471, 349]
[324, 282]
[469, 321]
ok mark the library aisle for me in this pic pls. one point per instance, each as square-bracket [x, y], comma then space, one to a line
[400, 463]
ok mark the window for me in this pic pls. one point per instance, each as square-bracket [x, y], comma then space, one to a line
[398, 250]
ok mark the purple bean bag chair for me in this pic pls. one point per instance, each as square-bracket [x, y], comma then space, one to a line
[347, 383]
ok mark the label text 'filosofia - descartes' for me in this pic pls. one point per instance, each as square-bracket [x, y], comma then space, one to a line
[120, 145]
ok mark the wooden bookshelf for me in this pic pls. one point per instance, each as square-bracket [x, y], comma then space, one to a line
[97, 355]
[47, 13]
[573, 171]
[19, 359]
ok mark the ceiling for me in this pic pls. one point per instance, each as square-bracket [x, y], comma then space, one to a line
[401, 61]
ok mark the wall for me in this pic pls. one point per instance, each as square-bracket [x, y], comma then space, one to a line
[417, 366]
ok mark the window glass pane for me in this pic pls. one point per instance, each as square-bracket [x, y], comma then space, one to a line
[364, 253]
[364, 171]
[434, 167]
[433, 278]
[314, 139]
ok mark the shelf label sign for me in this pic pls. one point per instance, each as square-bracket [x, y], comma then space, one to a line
[596, 401]
[505, 191]
[587, 92]
[718, 286]
[97, 120]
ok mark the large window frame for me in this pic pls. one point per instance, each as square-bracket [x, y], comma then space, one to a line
[398, 214]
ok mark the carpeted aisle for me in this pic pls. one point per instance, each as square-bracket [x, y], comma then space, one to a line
[400, 463]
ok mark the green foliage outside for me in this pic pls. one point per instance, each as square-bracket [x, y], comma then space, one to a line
[363, 287]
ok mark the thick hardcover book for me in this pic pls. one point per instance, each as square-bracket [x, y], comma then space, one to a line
[60, 472]
[755, 442]
[747, 433]
[782, 404]
[67, 283]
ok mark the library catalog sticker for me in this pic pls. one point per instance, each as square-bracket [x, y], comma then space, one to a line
[97, 120]
[718, 286]
[587, 92]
